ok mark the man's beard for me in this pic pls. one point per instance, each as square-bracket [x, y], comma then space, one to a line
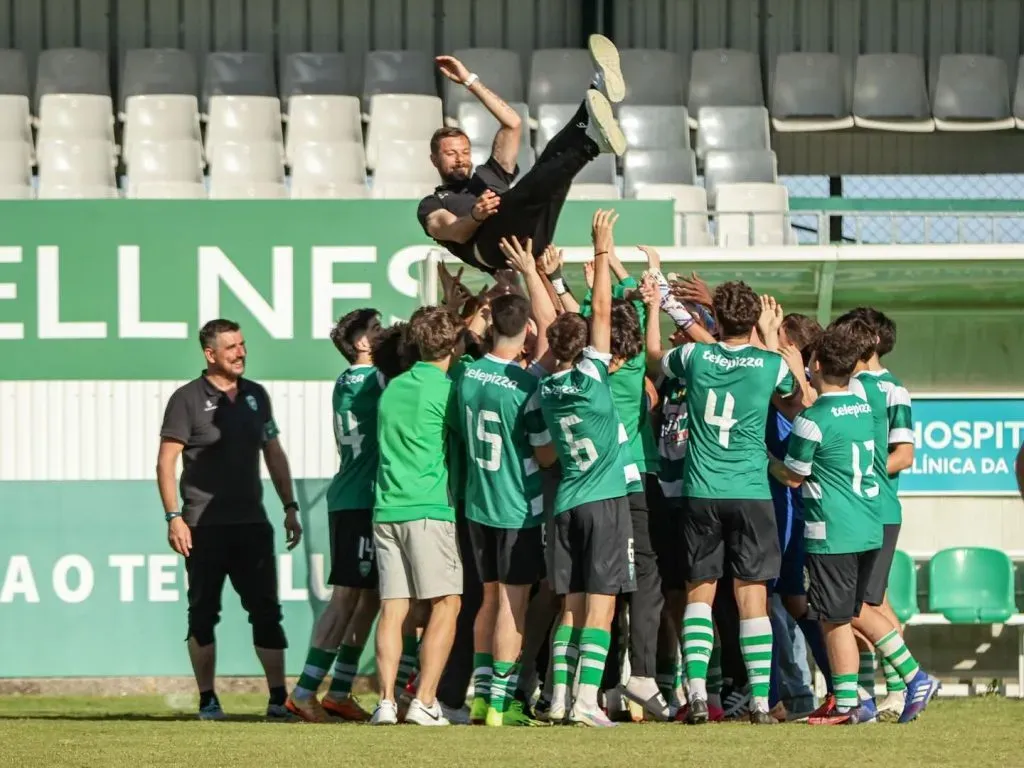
[457, 176]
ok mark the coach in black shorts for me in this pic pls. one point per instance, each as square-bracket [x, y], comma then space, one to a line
[470, 212]
[220, 423]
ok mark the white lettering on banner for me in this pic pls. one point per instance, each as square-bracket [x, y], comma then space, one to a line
[215, 268]
[398, 269]
[939, 435]
[326, 291]
[163, 572]
[956, 465]
[130, 324]
[126, 579]
[48, 302]
[318, 579]
[62, 572]
[18, 580]
[286, 588]
[10, 254]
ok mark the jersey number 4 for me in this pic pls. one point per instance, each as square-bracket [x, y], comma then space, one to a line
[489, 441]
[725, 422]
[582, 449]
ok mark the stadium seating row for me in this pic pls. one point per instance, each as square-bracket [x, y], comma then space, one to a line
[808, 91]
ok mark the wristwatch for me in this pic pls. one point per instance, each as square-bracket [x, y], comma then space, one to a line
[291, 506]
[171, 515]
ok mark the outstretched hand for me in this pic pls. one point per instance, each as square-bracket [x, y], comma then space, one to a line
[601, 230]
[486, 206]
[551, 260]
[452, 68]
[519, 256]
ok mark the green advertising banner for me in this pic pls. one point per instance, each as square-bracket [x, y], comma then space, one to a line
[118, 289]
[89, 586]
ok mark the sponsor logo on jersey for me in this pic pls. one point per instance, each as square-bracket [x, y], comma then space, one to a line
[560, 389]
[353, 378]
[860, 409]
[732, 362]
[485, 377]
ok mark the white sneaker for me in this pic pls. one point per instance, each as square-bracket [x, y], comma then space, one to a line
[420, 714]
[455, 716]
[644, 691]
[561, 704]
[386, 713]
[602, 127]
[608, 71]
[891, 707]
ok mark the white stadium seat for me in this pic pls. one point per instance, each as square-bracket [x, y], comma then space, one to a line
[76, 116]
[76, 191]
[319, 163]
[165, 161]
[167, 190]
[407, 161]
[76, 163]
[15, 192]
[15, 162]
[257, 162]
[247, 190]
[401, 118]
[160, 118]
[593, 192]
[340, 191]
[402, 190]
[752, 214]
[15, 120]
[333, 119]
[245, 120]
[691, 209]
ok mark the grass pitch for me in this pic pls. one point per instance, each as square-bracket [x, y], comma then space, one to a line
[162, 731]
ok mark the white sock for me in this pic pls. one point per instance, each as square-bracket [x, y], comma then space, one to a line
[587, 697]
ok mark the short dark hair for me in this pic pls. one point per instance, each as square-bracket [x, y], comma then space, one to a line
[350, 328]
[881, 324]
[857, 332]
[510, 314]
[208, 333]
[434, 331]
[392, 354]
[445, 133]
[627, 337]
[737, 308]
[568, 337]
[841, 346]
[802, 332]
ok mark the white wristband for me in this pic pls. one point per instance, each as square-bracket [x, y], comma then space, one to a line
[473, 77]
[559, 285]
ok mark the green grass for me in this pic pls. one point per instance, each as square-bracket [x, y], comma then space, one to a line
[155, 731]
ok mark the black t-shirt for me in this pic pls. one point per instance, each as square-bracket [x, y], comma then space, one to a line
[460, 197]
[220, 479]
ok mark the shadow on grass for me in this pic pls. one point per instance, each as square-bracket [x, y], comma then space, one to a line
[104, 717]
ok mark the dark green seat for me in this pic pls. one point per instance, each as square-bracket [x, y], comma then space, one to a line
[972, 585]
[903, 586]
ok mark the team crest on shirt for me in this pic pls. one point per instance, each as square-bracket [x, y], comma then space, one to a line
[364, 568]
[252, 402]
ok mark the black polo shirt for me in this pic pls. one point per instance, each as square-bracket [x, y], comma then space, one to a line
[460, 197]
[220, 479]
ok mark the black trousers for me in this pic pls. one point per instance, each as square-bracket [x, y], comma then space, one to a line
[531, 208]
[646, 602]
[451, 690]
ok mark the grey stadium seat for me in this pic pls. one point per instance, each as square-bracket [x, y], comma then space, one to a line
[315, 74]
[13, 73]
[750, 165]
[809, 93]
[724, 78]
[732, 128]
[889, 93]
[499, 69]
[972, 93]
[158, 72]
[653, 77]
[658, 166]
[407, 72]
[237, 74]
[1018, 99]
[551, 118]
[71, 70]
[559, 76]
[481, 126]
[524, 160]
[600, 170]
[655, 127]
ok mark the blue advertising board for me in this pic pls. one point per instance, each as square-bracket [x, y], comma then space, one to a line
[965, 445]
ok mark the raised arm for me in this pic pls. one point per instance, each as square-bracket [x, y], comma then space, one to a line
[507, 139]
[652, 342]
[520, 258]
[601, 318]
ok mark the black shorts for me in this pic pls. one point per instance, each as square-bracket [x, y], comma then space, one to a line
[590, 549]
[665, 519]
[878, 582]
[836, 585]
[743, 530]
[353, 561]
[509, 556]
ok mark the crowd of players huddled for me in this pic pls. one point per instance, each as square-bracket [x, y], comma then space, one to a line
[551, 509]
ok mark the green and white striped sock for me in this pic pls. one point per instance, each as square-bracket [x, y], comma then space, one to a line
[318, 661]
[756, 647]
[503, 684]
[866, 673]
[665, 676]
[899, 657]
[715, 675]
[483, 673]
[594, 645]
[893, 681]
[846, 692]
[565, 653]
[698, 640]
[345, 669]
[408, 662]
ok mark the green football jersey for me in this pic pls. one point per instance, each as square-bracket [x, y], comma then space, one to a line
[727, 397]
[501, 423]
[455, 445]
[355, 399]
[890, 404]
[672, 436]
[833, 446]
[589, 439]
